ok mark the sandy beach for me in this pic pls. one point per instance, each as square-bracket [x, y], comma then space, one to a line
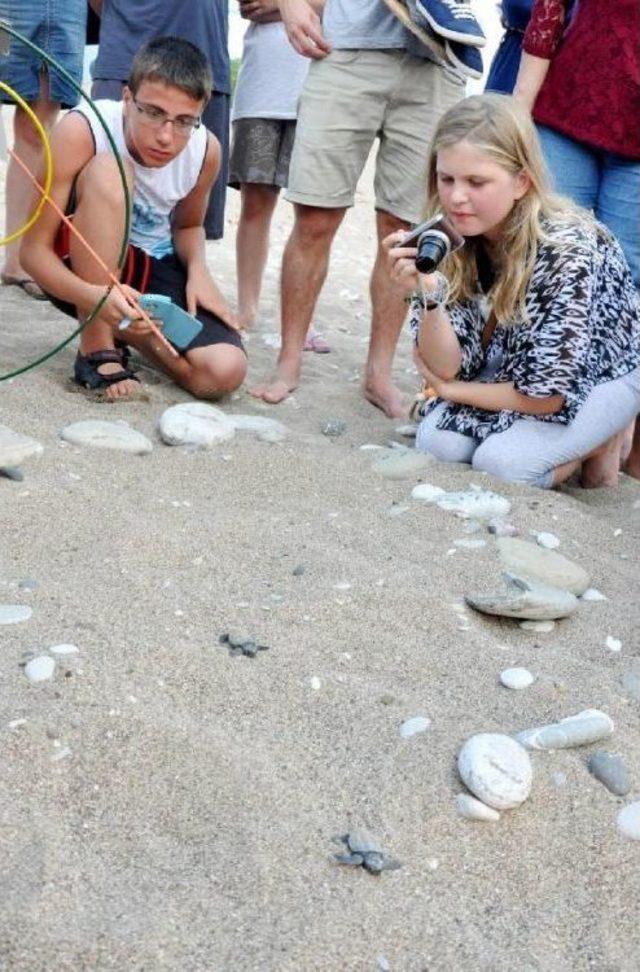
[166, 805]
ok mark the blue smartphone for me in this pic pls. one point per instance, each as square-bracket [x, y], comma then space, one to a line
[177, 326]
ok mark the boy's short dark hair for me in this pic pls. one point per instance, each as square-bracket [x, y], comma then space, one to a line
[175, 62]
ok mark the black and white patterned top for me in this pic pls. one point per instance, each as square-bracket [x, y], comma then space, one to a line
[583, 329]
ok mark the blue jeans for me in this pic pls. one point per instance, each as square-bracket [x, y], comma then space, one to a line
[608, 184]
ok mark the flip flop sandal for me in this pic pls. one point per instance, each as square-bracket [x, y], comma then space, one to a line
[27, 284]
[90, 381]
[316, 343]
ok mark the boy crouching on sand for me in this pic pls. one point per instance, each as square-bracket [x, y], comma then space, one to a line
[171, 162]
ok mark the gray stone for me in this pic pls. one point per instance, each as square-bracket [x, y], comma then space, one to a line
[516, 678]
[529, 560]
[27, 584]
[195, 424]
[99, 434]
[472, 809]
[333, 428]
[427, 493]
[586, 727]
[402, 463]
[631, 684]
[526, 599]
[497, 770]
[298, 571]
[628, 821]
[411, 727]
[40, 669]
[479, 504]
[14, 613]
[501, 528]
[611, 771]
[265, 429]
[15, 448]
[12, 472]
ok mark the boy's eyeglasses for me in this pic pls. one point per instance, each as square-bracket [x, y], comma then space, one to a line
[157, 118]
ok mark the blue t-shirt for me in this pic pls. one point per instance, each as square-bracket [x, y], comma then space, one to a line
[127, 24]
[369, 25]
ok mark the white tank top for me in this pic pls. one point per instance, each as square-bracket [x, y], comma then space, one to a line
[156, 192]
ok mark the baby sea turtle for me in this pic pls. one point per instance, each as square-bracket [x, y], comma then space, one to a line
[241, 644]
[365, 851]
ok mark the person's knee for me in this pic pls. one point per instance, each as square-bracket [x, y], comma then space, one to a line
[314, 225]
[443, 445]
[258, 202]
[507, 466]
[388, 223]
[217, 371]
[101, 179]
[25, 132]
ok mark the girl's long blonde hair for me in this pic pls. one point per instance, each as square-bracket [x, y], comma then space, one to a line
[503, 130]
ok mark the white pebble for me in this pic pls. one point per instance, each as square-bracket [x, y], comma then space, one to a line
[427, 493]
[593, 594]
[342, 586]
[496, 769]
[40, 669]
[628, 821]
[61, 754]
[613, 644]
[547, 540]
[472, 809]
[413, 726]
[64, 650]
[315, 683]
[469, 544]
[516, 678]
[540, 626]
[14, 613]
[617, 533]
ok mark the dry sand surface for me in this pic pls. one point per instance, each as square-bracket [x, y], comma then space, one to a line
[167, 806]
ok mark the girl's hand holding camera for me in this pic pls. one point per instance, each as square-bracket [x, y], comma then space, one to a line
[402, 264]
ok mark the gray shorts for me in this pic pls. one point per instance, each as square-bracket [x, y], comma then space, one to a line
[349, 99]
[261, 151]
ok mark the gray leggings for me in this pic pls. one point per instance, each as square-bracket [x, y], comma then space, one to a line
[529, 450]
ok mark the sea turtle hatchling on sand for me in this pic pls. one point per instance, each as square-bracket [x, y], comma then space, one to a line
[241, 644]
[365, 851]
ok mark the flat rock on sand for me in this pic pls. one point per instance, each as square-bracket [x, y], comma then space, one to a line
[554, 569]
[16, 448]
[99, 434]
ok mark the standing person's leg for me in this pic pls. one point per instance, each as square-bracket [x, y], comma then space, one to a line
[573, 166]
[216, 118]
[252, 246]
[304, 270]
[618, 206]
[388, 313]
[340, 112]
[19, 190]
[419, 92]
[253, 169]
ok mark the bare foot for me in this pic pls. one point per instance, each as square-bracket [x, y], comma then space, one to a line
[601, 468]
[387, 398]
[632, 465]
[280, 387]
[127, 388]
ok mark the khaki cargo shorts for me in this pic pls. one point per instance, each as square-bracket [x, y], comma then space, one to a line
[350, 98]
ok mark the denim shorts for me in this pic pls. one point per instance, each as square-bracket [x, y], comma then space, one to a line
[56, 26]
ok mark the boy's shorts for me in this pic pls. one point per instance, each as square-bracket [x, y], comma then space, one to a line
[166, 276]
[261, 151]
[351, 97]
